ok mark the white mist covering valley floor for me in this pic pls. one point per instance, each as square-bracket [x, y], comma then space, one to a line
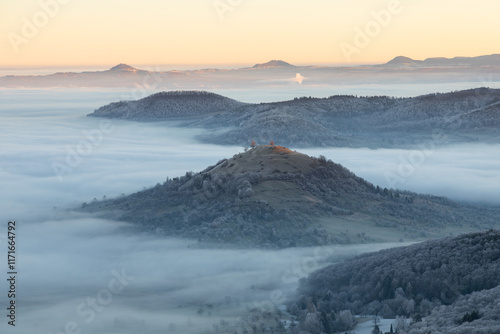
[66, 261]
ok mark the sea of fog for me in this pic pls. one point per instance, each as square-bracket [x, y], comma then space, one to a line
[285, 93]
[82, 273]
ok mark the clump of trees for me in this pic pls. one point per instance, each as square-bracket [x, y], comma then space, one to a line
[470, 317]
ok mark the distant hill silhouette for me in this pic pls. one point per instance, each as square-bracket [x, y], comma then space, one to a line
[123, 67]
[403, 61]
[273, 64]
[488, 60]
[275, 73]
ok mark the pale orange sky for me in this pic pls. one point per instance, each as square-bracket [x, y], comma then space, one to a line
[107, 32]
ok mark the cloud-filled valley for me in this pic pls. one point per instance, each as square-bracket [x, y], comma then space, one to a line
[67, 257]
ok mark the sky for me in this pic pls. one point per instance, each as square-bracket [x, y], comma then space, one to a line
[224, 32]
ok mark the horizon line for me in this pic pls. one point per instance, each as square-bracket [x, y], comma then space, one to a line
[227, 65]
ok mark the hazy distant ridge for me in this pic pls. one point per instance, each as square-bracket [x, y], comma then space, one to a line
[271, 74]
[488, 60]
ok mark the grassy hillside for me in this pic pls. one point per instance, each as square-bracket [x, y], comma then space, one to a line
[271, 196]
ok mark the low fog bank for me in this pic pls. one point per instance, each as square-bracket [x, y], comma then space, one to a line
[54, 156]
[276, 93]
[86, 271]
[468, 172]
[86, 100]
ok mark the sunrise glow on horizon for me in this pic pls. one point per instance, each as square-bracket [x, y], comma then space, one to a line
[224, 32]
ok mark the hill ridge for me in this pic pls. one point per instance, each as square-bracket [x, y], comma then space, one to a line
[338, 120]
[484, 60]
[167, 105]
[270, 196]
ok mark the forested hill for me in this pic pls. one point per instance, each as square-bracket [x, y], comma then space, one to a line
[412, 282]
[168, 105]
[271, 196]
[342, 121]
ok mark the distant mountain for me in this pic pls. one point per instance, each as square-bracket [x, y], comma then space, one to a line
[275, 73]
[168, 105]
[272, 197]
[339, 121]
[412, 281]
[273, 64]
[121, 75]
[403, 61]
[123, 67]
[489, 60]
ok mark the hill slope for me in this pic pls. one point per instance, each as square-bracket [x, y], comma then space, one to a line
[168, 105]
[349, 121]
[409, 281]
[270, 196]
[340, 121]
